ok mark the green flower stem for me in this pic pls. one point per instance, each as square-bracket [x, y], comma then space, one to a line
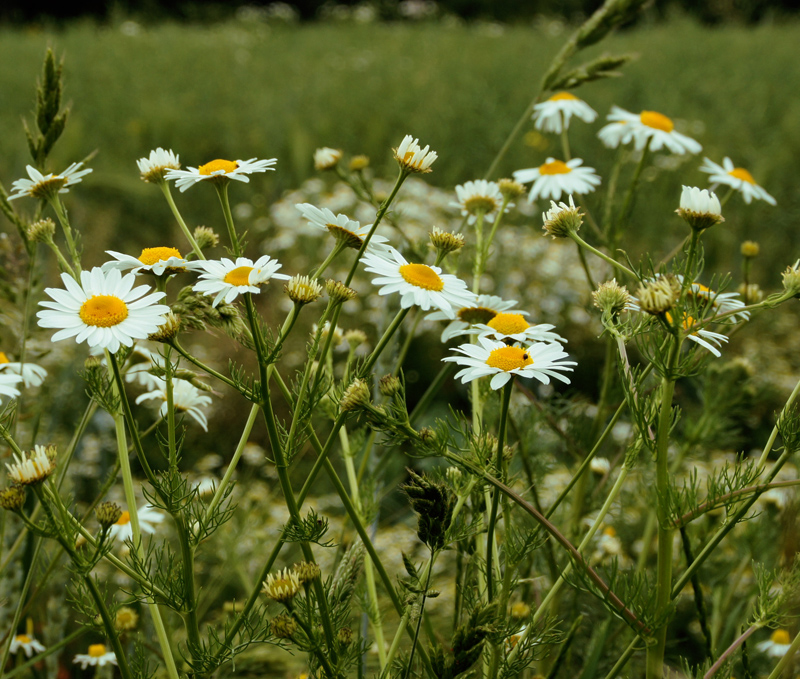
[164, 186]
[189, 590]
[732, 648]
[585, 265]
[421, 615]
[699, 600]
[62, 262]
[627, 205]
[431, 391]
[384, 340]
[171, 443]
[493, 232]
[726, 197]
[323, 659]
[565, 139]
[19, 669]
[226, 380]
[333, 254]
[688, 273]
[762, 460]
[401, 356]
[613, 180]
[498, 463]
[222, 192]
[613, 262]
[398, 637]
[63, 219]
[623, 659]
[523, 120]
[478, 264]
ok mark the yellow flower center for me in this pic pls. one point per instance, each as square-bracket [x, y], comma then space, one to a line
[555, 167]
[509, 324]
[103, 311]
[152, 256]
[657, 121]
[688, 321]
[610, 532]
[3, 357]
[238, 276]
[509, 358]
[476, 314]
[421, 276]
[563, 96]
[23, 638]
[217, 165]
[97, 650]
[744, 175]
[124, 518]
[780, 636]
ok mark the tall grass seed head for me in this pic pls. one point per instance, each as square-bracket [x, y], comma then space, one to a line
[700, 208]
[750, 249]
[561, 219]
[359, 163]
[283, 626]
[168, 330]
[42, 231]
[34, 467]
[157, 164]
[446, 242]
[611, 298]
[281, 586]
[412, 158]
[12, 498]
[205, 237]
[303, 289]
[659, 295]
[434, 503]
[107, 513]
[326, 158]
[307, 571]
[355, 396]
[339, 292]
[510, 189]
[791, 279]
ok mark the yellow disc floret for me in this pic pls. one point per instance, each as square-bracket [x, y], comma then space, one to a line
[780, 636]
[238, 276]
[3, 357]
[23, 638]
[563, 96]
[97, 650]
[509, 358]
[555, 167]
[103, 311]
[657, 121]
[217, 165]
[745, 176]
[509, 324]
[421, 276]
[152, 256]
[124, 518]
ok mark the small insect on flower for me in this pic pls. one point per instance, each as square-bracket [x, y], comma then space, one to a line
[219, 171]
[777, 645]
[341, 227]
[186, 398]
[554, 114]
[157, 164]
[228, 279]
[97, 656]
[736, 177]
[281, 586]
[648, 129]
[148, 516]
[47, 186]
[159, 260]
[326, 158]
[555, 177]
[33, 467]
[413, 158]
[31, 374]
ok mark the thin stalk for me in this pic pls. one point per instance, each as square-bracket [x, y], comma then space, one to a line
[23, 595]
[398, 637]
[401, 356]
[627, 205]
[730, 650]
[565, 139]
[585, 265]
[421, 614]
[204, 367]
[331, 256]
[384, 340]
[63, 219]
[62, 261]
[495, 226]
[222, 193]
[699, 601]
[613, 262]
[613, 179]
[171, 443]
[189, 591]
[164, 186]
[431, 391]
[478, 264]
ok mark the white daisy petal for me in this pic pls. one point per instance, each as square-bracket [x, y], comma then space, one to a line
[555, 177]
[219, 170]
[554, 114]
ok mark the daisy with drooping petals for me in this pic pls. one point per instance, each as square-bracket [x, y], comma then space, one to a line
[736, 177]
[721, 302]
[540, 360]
[220, 170]
[341, 227]
[555, 177]
[514, 327]
[32, 375]
[27, 643]
[777, 645]
[705, 338]
[227, 279]
[479, 197]
[8, 385]
[149, 517]
[412, 157]
[47, 185]
[649, 129]
[418, 284]
[185, 397]
[160, 161]
[97, 656]
[160, 261]
[482, 310]
[554, 114]
[104, 309]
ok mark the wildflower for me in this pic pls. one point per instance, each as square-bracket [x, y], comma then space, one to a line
[105, 309]
[751, 293]
[482, 310]
[609, 544]
[159, 260]
[540, 360]
[720, 302]
[339, 292]
[358, 163]
[186, 398]
[700, 208]
[520, 609]
[355, 396]
[326, 158]
[555, 177]
[561, 219]
[281, 586]
[418, 284]
[510, 189]
[355, 338]
[32, 375]
[27, 643]
[649, 129]
[97, 656]
[108, 513]
[446, 242]
[341, 227]
[42, 231]
[168, 330]
[777, 645]
[12, 498]
[302, 289]
[658, 295]
[338, 333]
[33, 467]
[219, 171]
[705, 338]
[554, 114]
[479, 197]
[389, 385]
[736, 177]
[47, 186]
[307, 571]
[227, 279]
[126, 619]
[157, 164]
[611, 298]
[148, 516]
[791, 279]
[507, 327]
[750, 249]
[413, 158]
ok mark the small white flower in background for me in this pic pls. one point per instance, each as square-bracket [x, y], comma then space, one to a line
[507, 326]
[540, 361]
[158, 260]
[608, 545]
[705, 338]
[32, 375]
[27, 643]
[342, 228]
[600, 465]
[157, 164]
[185, 397]
[104, 309]
[412, 157]
[33, 467]
[218, 170]
[555, 177]
[482, 310]
[649, 129]
[736, 177]
[97, 656]
[326, 158]
[418, 284]
[777, 645]
[554, 114]
[479, 197]
[228, 279]
[149, 517]
[47, 185]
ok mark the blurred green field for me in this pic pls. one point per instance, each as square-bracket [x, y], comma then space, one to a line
[239, 90]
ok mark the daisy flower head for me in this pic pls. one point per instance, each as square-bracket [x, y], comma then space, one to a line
[413, 158]
[32, 375]
[737, 178]
[554, 114]
[47, 186]
[555, 177]
[96, 656]
[157, 164]
[561, 219]
[418, 284]
[482, 310]
[777, 645]
[185, 397]
[700, 209]
[341, 227]
[281, 586]
[228, 279]
[514, 327]
[479, 197]
[158, 260]
[27, 644]
[648, 129]
[149, 517]
[540, 360]
[326, 158]
[33, 467]
[219, 171]
[8, 385]
[104, 309]
[705, 338]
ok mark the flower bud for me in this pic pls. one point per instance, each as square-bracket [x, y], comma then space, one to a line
[283, 626]
[561, 219]
[389, 385]
[168, 330]
[510, 189]
[12, 498]
[126, 619]
[358, 163]
[520, 610]
[659, 295]
[205, 237]
[355, 338]
[307, 571]
[339, 292]
[700, 209]
[326, 158]
[611, 298]
[42, 231]
[446, 242]
[107, 514]
[750, 249]
[355, 396]
[281, 586]
[302, 289]
[791, 279]
[345, 636]
[412, 158]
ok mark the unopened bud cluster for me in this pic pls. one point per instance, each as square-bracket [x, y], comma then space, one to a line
[339, 292]
[659, 295]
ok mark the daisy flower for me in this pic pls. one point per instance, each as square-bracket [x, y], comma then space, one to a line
[341, 227]
[33, 467]
[705, 338]
[326, 158]
[104, 309]
[159, 260]
[647, 129]
[27, 643]
[47, 185]
[413, 158]
[556, 177]
[479, 197]
[777, 645]
[482, 310]
[721, 302]
[185, 397]
[148, 515]
[700, 208]
[418, 284]
[554, 114]
[514, 327]
[160, 161]
[540, 360]
[227, 279]
[8, 385]
[218, 170]
[97, 656]
[736, 177]
[32, 375]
